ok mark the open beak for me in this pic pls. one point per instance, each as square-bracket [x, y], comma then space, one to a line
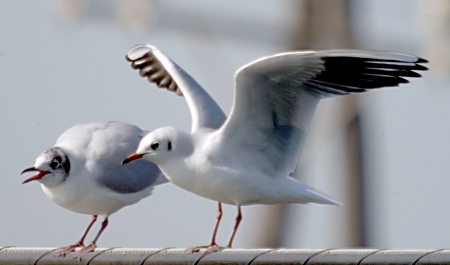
[38, 176]
[131, 158]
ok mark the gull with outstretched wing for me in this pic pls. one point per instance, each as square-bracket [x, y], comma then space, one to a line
[249, 159]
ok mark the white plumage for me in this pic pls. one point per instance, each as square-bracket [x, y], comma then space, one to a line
[82, 173]
[249, 159]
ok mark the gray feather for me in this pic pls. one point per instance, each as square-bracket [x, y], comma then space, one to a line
[276, 97]
[100, 147]
[132, 177]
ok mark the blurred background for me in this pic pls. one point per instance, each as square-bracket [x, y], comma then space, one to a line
[384, 154]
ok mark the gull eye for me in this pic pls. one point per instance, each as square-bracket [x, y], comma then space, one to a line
[56, 162]
[154, 145]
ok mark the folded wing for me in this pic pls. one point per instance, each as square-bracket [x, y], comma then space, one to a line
[102, 146]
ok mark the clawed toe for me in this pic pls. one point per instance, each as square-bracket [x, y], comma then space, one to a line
[68, 249]
[212, 249]
[80, 254]
[195, 249]
[209, 248]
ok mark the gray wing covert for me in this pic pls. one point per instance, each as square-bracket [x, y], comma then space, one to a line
[102, 146]
[132, 177]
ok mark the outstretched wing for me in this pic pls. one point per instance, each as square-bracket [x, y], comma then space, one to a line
[276, 98]
[160, 69]
[102, 146]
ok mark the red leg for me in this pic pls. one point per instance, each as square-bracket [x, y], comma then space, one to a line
[92, 245]
[238, 221]
[80, 243]
[216, 227]
[213, 247]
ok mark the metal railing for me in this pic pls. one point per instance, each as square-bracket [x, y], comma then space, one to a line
[116, 256]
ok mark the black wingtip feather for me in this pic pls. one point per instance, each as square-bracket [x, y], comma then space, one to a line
[419, 67]
[402, 80]
[347, 74]
[421, 60]
[424, 68]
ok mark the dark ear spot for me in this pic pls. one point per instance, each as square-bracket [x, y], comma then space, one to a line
[66, 165]
[169, 145]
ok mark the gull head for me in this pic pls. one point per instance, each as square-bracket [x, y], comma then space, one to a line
[52, 167]
[162, 145]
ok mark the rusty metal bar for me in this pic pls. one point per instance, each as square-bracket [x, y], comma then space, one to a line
[176, 256]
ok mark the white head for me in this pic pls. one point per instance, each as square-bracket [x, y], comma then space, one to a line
[161, 145]
[53, 167]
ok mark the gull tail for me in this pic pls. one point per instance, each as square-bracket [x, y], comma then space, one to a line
[321, 198]
[302, 193]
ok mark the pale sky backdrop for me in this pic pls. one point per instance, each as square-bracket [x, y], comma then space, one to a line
[63, 63]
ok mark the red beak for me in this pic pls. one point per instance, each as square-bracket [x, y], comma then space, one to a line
[131, 158]
[38, 176]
